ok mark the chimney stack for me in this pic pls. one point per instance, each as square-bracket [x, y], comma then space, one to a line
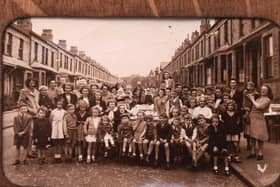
[25, 24]
[204, 25]
[194, 36]
[74, 50]
[47, 34]
[62, 44]
[82, 54]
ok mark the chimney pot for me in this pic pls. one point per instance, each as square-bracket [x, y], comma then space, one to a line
[62, 44]
[25, 24]
[47, 34]
[74, 50]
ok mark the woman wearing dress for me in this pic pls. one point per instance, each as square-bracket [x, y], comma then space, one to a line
[168, 82]
[258, 130]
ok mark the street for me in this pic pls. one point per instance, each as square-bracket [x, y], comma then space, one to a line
[109, 173]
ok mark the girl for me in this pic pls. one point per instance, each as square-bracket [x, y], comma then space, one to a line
[125, 134]
[139, 129]
[150, 137]
[117, 116]
[190, 134]
[192, 105]
[176, 138]
[56, 119]
[173, 102]
[160, 102]
[164, 132]
[41, 133]
[201, 142]
[168, 82]
[217, 143]
[70, 131]
[232, 123]
[81, 115]
[91, 129]
[106, 133]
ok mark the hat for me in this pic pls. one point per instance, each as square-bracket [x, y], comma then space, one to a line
[163, 115]
[21, 104]
[124, 115]
[43, 87]
[201, 116]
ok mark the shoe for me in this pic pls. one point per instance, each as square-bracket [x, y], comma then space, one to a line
[250, 156]
[88, 160]
[155, 163]
[93, 158]
[24, 162]
[147, 158]
[227, 172]
[236, 159]
[80, 159]
[141, 156]
[17, 162]
[105, 154]
[260, 157]
[134, 154]
[215, 171]
[167, 167]
[31, 156]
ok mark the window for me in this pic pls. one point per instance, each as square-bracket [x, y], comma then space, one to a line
[65, 62]
[10, 44]
[217, 39]
[20, 49]
[253, 23]
[223, 68]
[209, 45]
[36, 51]
[268, 47]
[52, 59]
[61, 60]
[47, 56]
[71, 61]
[201, 48]
[226, 32]
[43, 55]
[241, 28]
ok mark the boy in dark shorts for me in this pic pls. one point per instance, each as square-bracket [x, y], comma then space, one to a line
[150, 137]
[22, 127]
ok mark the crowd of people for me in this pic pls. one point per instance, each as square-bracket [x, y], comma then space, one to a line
[86, 122]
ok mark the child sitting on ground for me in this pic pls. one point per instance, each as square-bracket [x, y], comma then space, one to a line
[139, 132]
[125, 134]
[176, 139]
[201, 142]
[150, 137]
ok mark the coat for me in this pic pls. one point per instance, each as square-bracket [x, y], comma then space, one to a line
[31, 99]
[22, 123]
[73, 99]
[41, 132]
[217, 137]
[44, 100]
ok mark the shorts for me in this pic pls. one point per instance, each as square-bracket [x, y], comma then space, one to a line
[232, 138]
[73, 136]
[149, 137]
[21, 141]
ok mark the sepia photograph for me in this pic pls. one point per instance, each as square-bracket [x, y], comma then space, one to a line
[141, 102]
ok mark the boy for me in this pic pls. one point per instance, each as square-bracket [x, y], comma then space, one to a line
[125, 133]
[150, 137]
[22, 127]
[164, 132]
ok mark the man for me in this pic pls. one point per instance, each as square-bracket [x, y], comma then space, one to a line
[139, 94]
[202, 109]
[236, 94]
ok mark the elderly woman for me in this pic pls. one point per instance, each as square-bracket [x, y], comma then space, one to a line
[258, 130]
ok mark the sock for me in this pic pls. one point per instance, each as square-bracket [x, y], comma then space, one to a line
[215, 167]
[226, 168]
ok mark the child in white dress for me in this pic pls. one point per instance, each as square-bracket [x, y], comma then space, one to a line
[91, 131]
[56, 119]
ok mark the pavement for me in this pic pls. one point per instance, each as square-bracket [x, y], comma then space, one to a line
[247, 169]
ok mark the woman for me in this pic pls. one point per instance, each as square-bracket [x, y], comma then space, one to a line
[258, 130]
[85, 95]
[168, 82]
[68, 96]
[30, 96]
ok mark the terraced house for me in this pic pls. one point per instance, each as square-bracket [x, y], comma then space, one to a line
[28, 54]
[245, 49]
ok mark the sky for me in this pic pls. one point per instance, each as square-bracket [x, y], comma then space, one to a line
[123, 46]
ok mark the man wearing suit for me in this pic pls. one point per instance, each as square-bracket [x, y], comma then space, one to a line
[236, 94]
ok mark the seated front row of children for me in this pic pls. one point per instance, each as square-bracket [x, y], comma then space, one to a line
[81, 133]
